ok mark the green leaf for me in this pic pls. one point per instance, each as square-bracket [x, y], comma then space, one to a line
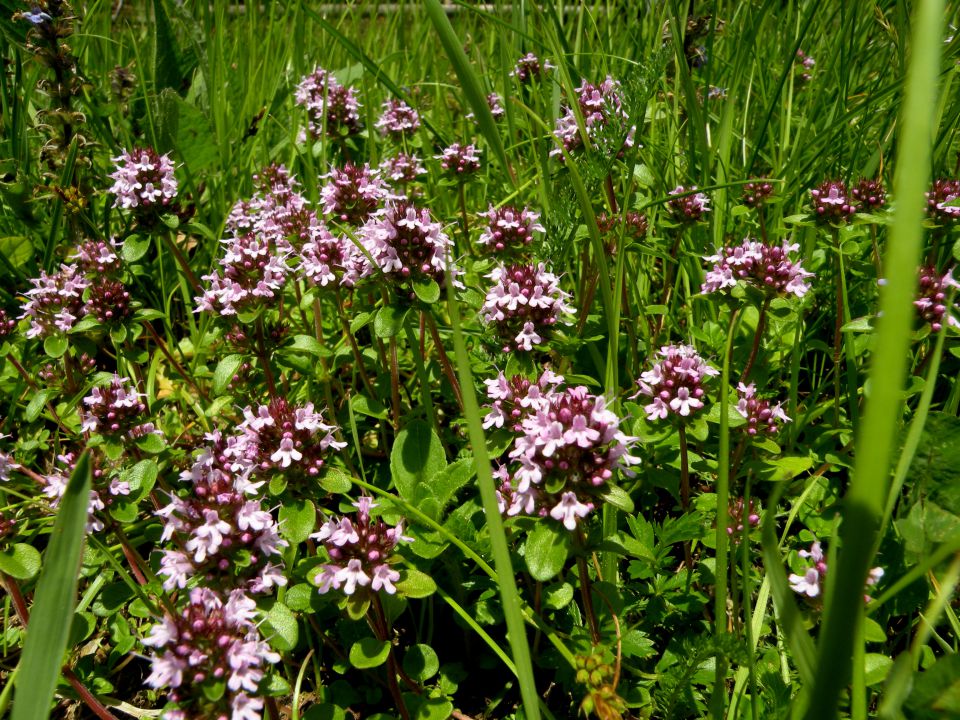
[224, 374]
[546, 550]
[618, 497]
[167, 69]
[17, 249]
[417, 457]
[428, 708]
[421, 662]
[861, 324]
[876, 667]
[369, 653]
[415, 584]
[360, 321]
[389, 321]
[297, 520]
[55, 345]
[280, 627]
[357, 605]
[118, 334]
[558, 597]
[303, 597]
[936, 692]
[152, 443]
[20, 561]
[142, 477]
[54, 601]
[784, 468]
[135, 247]
[368, 406]
[36, 404]
[427, 291]
[335, 480]
[446, 483]
[309, 344]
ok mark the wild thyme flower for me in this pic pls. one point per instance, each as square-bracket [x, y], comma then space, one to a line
[360, 552]
[401, 170]
[99, 257]
[635, 224]
[530, 67]
[325, 99]
[675, 383]
[943, 201]
[766, 267]
[459, 161]
[742, 516]
[7, 324]
[689, 208]
[353, 193]
[253, 272]
[523, 302]
[870, 194]
[223, 533]
[601, 107]
[102, 493]
[398, 120]
[495, 103]
[759, 414]
[406, 244]
[807, 63]
[209, 643]
[116, 411]
[107, 300]
[567, 451]
[932, 297]
[508, 231]
[811, 582]
[327, 259]
[143, 179]
[756, 194]
[514, 399]
[832, 202]
[283, 437]
[55, 302]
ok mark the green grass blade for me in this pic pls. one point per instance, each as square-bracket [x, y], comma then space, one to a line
[472, 89]
[864, 503]
[54, 601]
[498, 539]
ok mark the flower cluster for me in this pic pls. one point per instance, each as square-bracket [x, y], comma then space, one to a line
[811, 582]
[687, 205]
[635, 224]
[360, 552]
[806, 65]
[223, 531]
[459, 160]
[931, 302]
[767, 267]
[401, 170]
[675, 383]
[279, 436]
[332, 108]
[943, 201]
[870, 194]
[253, 270]
[508, 230]
[143, 180]
[759, 414]
[523, 302]
[741, 516]
[495, 103]
[55, 302]
[276, 210]
[328, 259]
[103, 491]
[398, 120]
[513, 399]
[406, 244]
[98, 256]
[832, 202]
[353, 193]
[756, 194]
[567, 448]
[207, 644]
[529, 67]
[116, 411]
[602, 109]
[7, 324]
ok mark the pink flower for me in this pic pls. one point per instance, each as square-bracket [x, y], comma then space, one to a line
[143, 180]
[569, 510]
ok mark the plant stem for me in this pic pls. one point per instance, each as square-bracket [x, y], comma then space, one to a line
[585, 590]
[757, 337]
[685, 490]
[176, 365]
[382, 629]
[444, 360]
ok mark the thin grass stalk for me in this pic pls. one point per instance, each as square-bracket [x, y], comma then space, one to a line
[723, 503]
[498, 540]
[863, 510]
